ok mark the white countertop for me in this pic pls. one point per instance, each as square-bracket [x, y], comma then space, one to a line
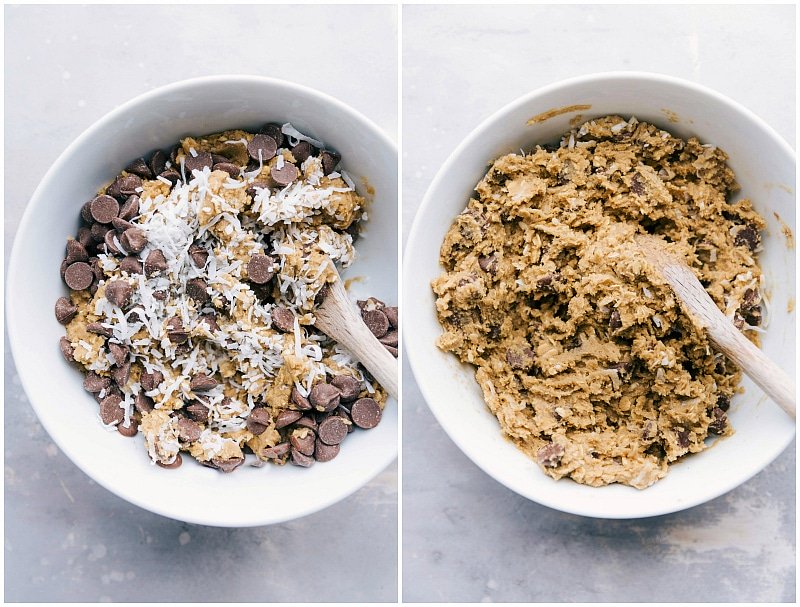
[67, 539]
[466, 537]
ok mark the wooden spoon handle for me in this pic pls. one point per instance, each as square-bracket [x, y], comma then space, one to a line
[340, 320]
[699, 305]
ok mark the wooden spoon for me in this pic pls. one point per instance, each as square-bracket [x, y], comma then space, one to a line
[698, 304]
[340, 320]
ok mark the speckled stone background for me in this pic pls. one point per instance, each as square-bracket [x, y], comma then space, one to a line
[466, 537]
[67, 539]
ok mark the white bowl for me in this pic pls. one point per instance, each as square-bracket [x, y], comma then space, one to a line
[764, 166]
[158, 119]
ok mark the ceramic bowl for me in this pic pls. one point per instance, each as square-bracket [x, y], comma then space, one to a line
[765, 169]
[158, 119]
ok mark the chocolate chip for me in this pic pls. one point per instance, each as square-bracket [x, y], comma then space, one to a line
[120, 225]
[287, 417]
[262, 145]
[720, 421]
[79, 276]
[230, 168]
[307, 422]
[376, 322]
[67, 350]
[86, 212]
[615, 322]
[299, 401]
[99, 329]
[724, 402]
[155, 263]
[324, 397]
[329, 161]
[95, 383]
[75, 252]
[227, 465]
[122, 374]
[349, 387]
[188, 430]
[332, 430]
[390, 339]
[683, 438]
[119, 292]
[748, 236]
[97, 267]
[158, 162]
[637, 184]
[197, 411]
[392, 350]
[151, 380]
[124, 186]
[259, 269]
[133, 240]
[276, 452]
[366, 413]
[198, 255]
[488, 263]
[65, 310]
[545, 283]
[98, 231]
[274, 131]
[283, 319]
[143, 404]
[210, 322]
[302, 151]
[202, 383]
[160, 295]
[129, 431]
[173, 153]
[299, 459]
[325, 453]
[171, 175]
[130, 208]
[176, 463]
[303, 441]
[520, 359]
[392, 316]
[110, 411]
[139, 167]
[131, 265]
[285, 175]
[111, 246]
[118, 352]
[197, 163]
[197, 289]
[104, 208]
[261, 416]
[550, 455]
[85, 237]
[345, 415]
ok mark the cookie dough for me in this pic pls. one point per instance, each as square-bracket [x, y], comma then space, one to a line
[582, 353]
[194, 279]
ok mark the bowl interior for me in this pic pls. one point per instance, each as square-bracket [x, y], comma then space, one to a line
[250, 496]
[764, 167]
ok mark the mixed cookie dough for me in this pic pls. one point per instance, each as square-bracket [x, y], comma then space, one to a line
[193, 281]
[582, 353]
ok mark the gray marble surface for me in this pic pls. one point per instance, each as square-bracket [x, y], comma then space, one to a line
[67, 539]
[466, 537]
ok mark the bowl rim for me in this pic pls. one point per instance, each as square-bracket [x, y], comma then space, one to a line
[14, 267]
[417, 228]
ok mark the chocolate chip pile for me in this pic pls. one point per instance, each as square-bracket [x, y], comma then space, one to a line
[193, 282]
